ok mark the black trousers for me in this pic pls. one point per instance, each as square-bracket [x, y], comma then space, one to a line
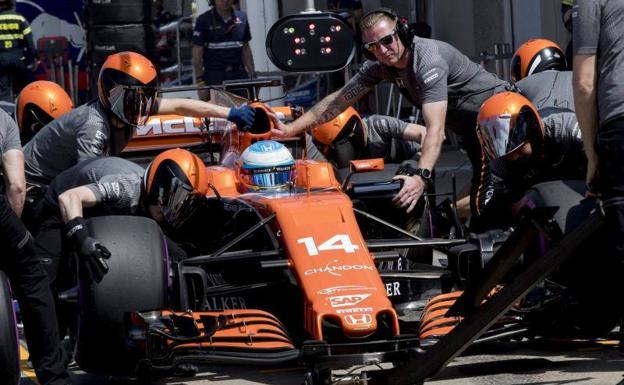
[12, 74]
[31, 289]
[610, 148]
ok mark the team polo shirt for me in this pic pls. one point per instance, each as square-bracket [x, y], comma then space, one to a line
[598, 30]
[9, 135]
[80, 134]
[115, 182]
[222, 40]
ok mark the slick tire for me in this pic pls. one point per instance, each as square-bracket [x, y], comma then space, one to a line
[590, 273]
[9, 342]
[136, 280]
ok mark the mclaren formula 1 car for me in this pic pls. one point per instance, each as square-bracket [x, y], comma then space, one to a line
[276, 277]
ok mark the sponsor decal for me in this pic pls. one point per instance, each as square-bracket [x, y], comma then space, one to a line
[225, 303]
[355, 310]
[393, 289]
[339, 289]
[157, 126]
[347, 300]
[336, 270]
[358, 319]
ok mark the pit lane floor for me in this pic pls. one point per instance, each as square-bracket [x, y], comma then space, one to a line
[539, 362]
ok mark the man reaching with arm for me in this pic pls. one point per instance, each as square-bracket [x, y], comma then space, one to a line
[434, 76]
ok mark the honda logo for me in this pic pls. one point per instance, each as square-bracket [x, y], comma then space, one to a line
[358, 319]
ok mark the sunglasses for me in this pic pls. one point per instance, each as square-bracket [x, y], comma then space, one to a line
[385, 41]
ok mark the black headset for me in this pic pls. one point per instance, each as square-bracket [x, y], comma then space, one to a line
[402, 29]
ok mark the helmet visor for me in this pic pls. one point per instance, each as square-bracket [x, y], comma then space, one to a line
[178, 202]
[269, 177]
[501, 135]
[132, 104]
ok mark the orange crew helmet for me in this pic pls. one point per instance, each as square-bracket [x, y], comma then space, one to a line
[38, 104]
[343, 138]
[174, 181]
[127, 86]
[506, 122]
[537, 55]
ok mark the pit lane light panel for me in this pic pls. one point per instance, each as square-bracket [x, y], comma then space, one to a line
[319, 42]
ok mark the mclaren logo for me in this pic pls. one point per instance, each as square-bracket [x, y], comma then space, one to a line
[159, 126]
[337, 270]
[358, 319]
[347, 300]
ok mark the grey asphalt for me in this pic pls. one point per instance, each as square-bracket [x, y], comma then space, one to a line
[544, 362]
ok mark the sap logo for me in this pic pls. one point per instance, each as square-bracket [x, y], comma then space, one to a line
[355, 310]
[347, 300]
[392, 289]
[338, 289]
[158, 126]
[358, 319]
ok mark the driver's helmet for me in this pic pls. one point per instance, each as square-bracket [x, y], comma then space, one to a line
[266, 164]
[506, 122]
[537, 55]
[174, 181]
[127, 87]
[38, 104]
[342, 139]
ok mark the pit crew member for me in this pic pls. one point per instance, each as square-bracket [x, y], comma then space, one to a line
[38, 104]
[349, 137]
[165, 191]
[127, 87]
[521, 147]
[28, 279]
[432, 74]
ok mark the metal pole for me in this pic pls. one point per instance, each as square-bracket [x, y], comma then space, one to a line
[70, 71]
[506, 62]
[76, 83]
[179, 55]
[309, 6]
[62, 72]
[497, 59]
[53, 69]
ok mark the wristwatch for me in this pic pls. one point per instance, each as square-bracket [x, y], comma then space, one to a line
[425, 174]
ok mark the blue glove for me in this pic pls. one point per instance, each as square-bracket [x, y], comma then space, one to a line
[242, 116]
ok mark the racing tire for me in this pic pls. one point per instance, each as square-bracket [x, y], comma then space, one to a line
[136, 280]
[9, 340]
[591, 281]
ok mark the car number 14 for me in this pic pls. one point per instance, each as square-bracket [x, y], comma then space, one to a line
[337, 242]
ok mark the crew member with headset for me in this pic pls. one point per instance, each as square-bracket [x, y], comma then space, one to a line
[17, 51]
[447, 86]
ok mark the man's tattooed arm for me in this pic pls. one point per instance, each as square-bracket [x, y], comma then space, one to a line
[331, 106]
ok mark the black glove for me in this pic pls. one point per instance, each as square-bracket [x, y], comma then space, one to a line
[91, 254]
[242, 116]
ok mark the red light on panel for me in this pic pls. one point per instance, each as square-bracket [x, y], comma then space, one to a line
[328, 50]
[312, 26]
[297, 40]
[327, 39]
[297, 51]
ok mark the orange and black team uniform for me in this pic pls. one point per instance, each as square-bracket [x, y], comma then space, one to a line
[17, 51]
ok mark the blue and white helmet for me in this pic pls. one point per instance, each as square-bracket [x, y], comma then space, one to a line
[267, 164]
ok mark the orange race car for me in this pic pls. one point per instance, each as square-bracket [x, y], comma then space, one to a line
[282, 272]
